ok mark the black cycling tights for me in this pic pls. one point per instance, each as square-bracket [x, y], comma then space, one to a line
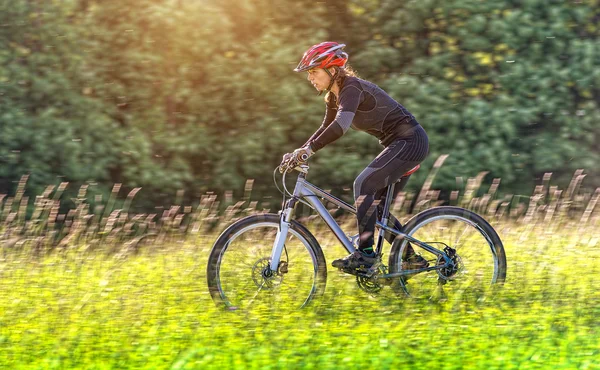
[371, 185]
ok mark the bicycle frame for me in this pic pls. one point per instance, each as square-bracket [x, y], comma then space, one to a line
[310, 193]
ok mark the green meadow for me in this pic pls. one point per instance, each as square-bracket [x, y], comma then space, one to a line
[198, 101]
[101, 287]
[98, 308]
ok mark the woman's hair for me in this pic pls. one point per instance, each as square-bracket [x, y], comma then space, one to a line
[340, 77]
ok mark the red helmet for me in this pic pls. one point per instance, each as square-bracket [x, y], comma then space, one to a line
[324, 55]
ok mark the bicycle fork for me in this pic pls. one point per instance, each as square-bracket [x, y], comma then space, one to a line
[284, 227]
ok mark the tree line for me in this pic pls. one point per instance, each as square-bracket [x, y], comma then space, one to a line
[200, 95]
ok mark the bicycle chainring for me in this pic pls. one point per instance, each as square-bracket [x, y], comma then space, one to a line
[371, 284]
[368, 284]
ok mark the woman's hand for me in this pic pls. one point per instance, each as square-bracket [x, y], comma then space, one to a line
[298, 156]
[301, 155]
[286, 157]
[284, 161]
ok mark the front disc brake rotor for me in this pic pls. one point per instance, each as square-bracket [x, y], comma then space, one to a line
[263, 276]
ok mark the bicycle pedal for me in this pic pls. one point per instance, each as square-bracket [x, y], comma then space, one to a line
[369, 273]
[354, 272]
[366, 272]
[347, 271]
[373, 270]
[365, 275]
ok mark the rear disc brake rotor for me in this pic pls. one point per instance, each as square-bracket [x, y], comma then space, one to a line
[449, 272]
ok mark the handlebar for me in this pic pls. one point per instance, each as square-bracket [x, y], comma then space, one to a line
[295, 165]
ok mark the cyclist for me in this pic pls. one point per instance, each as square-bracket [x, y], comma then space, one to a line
[362, 105]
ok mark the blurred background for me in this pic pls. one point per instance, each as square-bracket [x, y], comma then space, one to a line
[188, 106]
[196, 96]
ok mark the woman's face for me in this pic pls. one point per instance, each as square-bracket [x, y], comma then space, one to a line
[318, 78]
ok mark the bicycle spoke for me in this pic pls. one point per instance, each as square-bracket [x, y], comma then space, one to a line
[255, 294]
[244, 273]
[466, 228]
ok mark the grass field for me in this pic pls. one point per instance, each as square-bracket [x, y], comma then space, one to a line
[94, 310]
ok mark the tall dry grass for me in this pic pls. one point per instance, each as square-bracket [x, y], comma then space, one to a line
[119, 230]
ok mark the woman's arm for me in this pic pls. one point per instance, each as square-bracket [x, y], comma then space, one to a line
[330, 113]
[350, 98]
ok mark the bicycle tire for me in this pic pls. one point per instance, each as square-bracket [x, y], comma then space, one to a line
[249, 223]
[439, 215]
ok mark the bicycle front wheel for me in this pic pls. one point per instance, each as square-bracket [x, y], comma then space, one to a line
[238, 271]
[477, 253]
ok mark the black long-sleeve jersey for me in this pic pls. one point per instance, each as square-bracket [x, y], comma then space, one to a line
[363, 106]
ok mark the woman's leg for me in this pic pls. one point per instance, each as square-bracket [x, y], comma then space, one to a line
[368, 188]
[386, 168]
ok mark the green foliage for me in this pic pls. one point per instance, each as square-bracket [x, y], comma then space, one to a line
[49, 127]
[206, 88]
[200, 96]
[510, 89]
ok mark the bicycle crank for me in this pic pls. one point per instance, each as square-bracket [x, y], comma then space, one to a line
[374, 283]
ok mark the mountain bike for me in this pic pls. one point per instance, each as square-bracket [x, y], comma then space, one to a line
[273, 259]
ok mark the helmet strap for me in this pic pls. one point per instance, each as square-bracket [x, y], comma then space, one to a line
[332, 80]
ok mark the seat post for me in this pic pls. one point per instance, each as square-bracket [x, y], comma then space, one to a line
[385, 216]
[388, 201]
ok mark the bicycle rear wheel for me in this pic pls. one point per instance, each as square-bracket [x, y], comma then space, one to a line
[238, 271]
[479, 260]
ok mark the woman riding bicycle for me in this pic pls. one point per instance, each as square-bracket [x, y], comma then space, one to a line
[362, 105]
